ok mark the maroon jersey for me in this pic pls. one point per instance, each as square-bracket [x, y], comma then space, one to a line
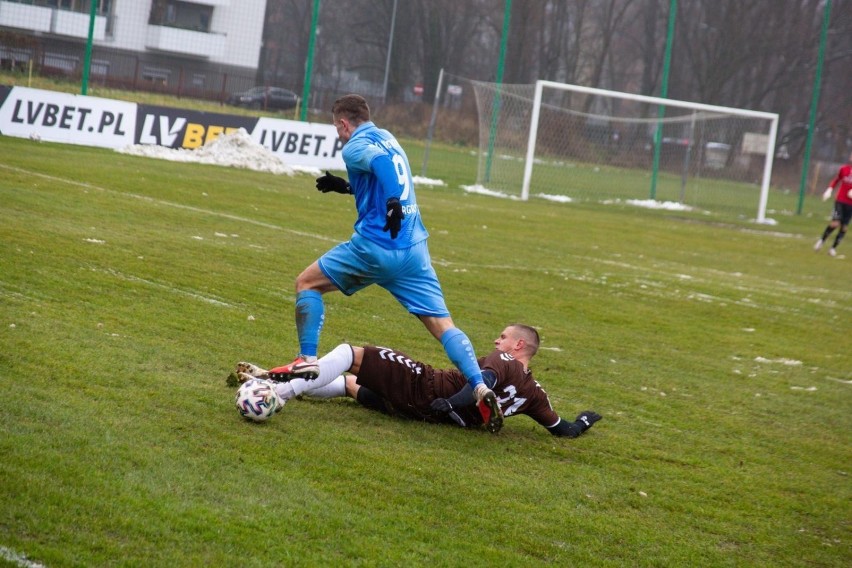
[409, 387]
[517, 391]
[844, 178]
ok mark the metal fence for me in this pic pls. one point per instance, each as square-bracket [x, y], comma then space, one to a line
[121, 70]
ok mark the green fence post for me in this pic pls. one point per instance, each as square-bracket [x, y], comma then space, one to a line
[87, 61]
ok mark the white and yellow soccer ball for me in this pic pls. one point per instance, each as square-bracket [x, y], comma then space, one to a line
[257, 400]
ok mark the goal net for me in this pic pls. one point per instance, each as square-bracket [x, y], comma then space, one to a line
[567, 142]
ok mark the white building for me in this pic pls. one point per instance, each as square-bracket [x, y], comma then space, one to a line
[190, 43]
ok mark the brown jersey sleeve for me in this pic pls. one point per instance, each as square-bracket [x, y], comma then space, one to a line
[517, 391]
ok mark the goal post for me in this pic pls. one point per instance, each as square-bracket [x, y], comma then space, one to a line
[566, 141]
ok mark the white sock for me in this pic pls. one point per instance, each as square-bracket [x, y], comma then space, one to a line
[300, 386]
[285, 391]
[332, 365]
[334, 389]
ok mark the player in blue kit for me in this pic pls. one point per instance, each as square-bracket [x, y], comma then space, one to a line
[388, 248]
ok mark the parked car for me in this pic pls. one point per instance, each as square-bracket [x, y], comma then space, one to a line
[674, 151]
[267, 98]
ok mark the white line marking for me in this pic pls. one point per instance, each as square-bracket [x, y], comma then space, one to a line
[170, 204]
[18, 559]
[196, 295]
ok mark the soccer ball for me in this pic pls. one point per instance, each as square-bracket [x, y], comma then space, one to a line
[257, 400]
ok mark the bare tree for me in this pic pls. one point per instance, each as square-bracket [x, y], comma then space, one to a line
[560, 40]
[758, 54]
[526, 24]
[285, 43]
[731, 53]
[449, 32]
[835, 110]
[608, 22]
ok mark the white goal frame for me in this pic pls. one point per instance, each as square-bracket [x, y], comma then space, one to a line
[770, 145]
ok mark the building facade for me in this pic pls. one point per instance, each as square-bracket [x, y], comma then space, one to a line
[204, 48]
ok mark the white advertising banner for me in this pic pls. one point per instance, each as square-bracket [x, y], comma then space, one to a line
[107, 123]
[300, 143]
[63, 117]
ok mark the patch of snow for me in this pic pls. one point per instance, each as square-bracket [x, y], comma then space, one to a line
[235, 149]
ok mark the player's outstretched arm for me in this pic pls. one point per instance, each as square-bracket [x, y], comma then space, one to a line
[330, 182]
[584, 421]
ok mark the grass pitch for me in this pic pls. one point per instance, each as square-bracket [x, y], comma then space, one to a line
[716, 351]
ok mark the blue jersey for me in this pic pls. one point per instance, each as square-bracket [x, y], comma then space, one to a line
[378, 169]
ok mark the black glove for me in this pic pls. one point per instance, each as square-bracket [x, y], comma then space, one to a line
[586, 418]
[444, 405]
[394, 217]
[329, 182]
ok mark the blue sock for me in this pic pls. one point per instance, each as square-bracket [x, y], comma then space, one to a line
[310, 315]
[460, 352]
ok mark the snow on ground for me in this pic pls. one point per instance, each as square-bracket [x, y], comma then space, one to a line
[652, 204]
[647, 203]
[18, 559]
[420, 180]
[781, 361]
[556, 198]
[235, 149]
[489, 192]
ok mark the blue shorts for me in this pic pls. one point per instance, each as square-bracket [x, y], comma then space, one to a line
[406, 273]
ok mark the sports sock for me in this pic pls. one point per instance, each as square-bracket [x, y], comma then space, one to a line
[285, 391]
[334, 389]
[310, 316]
[460, 351]
[840, 235]
[827, 232]
[331, 365]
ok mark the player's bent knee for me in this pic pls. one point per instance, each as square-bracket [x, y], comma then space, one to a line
[437, 326]
[312, 278]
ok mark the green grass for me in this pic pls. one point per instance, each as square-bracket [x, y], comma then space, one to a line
[129, 287]
[603, 180]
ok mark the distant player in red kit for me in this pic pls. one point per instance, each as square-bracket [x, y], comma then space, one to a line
[842, 213]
